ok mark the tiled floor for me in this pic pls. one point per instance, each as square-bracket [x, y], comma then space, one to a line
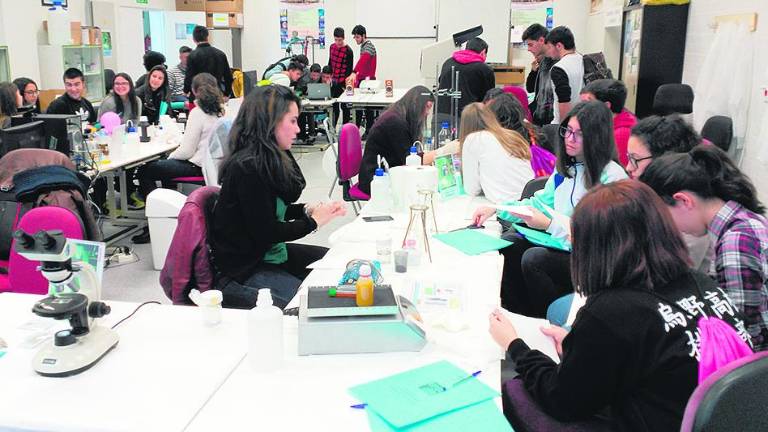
[139, 282]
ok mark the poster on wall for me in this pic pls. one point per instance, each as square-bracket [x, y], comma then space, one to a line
[525, 13]
[106, 43]
[302, 25]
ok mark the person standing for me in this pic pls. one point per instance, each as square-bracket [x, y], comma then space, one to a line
[567, 74]
[364, 69]
[206, 58]
[475, 76]
[340, 61]
[73, 102]
[538, 78]
[176, 75]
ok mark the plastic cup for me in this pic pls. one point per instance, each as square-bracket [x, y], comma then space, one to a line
[384, 249]
[210, 307]
[401, 261]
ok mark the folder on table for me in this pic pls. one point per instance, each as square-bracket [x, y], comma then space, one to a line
[472, 242]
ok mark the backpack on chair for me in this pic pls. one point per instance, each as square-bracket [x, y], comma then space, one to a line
[595, 67]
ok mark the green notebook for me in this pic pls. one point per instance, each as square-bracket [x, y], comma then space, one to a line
[484, 416]
[472, 242]
[423, 393]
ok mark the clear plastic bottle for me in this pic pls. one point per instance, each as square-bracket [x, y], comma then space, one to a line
[413, 158]
[381, 193]
[265, 334]
[364, 287]
[444, 137]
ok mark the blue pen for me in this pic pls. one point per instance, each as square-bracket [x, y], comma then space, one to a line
[465, 379]
[359, 406]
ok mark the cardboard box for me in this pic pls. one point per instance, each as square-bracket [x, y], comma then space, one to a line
[513, 75]
[91, 35]
[74, 29]
[190, 5]
[47, 96]
[223, 6]
[234, 20]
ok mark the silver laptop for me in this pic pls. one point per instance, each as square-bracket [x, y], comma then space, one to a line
[318, 91]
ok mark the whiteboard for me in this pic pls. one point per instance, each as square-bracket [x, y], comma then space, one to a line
[494, 15]
[397, 18]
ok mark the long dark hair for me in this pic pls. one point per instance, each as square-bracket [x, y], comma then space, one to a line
[706, 171]
[162, 92]
[7, 100]
[253, 144]
[22, 84]
[209, 99]
[131, 95]
[596, 122]
[644, 251]
[411, 109]
[663, 134]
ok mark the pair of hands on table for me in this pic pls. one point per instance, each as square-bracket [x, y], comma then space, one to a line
[537, 220]
[324, 212]
[504, 333]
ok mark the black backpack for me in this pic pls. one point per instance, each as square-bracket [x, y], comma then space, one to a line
[274, 65]
[595, 68]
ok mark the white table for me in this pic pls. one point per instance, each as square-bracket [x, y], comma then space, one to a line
[164, 369]
[367, 99]
[310, 392]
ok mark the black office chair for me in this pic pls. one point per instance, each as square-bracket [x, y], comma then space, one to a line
[28, 135]
[673, 98]
[250, 80]
[719, 131]
[532, 186]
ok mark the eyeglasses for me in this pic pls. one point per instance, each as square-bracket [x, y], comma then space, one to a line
[634, 161]
[120, 84]
[566, 132]
[31, 92]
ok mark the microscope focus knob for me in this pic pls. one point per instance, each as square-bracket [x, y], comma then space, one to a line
[23, 239]
[98, 309]
[64, 338]
[46, 238]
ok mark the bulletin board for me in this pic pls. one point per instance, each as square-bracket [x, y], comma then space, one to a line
[525, 14]
[301, 19]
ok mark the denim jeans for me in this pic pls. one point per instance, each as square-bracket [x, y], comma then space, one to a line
[533, 277]
[283, 280]
[165, 170]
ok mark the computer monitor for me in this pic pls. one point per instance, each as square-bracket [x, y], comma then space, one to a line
[62, 131]
[30, 135]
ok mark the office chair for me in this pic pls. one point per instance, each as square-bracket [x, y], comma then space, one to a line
[29, 135]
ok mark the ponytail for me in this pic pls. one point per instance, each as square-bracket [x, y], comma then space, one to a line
[706, 171]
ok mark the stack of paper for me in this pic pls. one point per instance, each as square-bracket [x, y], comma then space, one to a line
[431, 398]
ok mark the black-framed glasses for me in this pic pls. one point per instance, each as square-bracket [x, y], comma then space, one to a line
[566, 132]
[634, 160]
[31, 92]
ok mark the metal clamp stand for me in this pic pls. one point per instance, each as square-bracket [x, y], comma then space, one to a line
[454, 94]
[419, 211]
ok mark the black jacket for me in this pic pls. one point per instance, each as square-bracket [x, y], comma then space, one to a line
[206, 58]
[66, 105]
[389, 137]
[475, 79]
[150, 102]
[628, 350]
[244, 223]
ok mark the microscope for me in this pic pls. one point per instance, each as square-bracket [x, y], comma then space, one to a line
[74, 294]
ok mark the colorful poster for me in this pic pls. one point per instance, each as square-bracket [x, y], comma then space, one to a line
[106, 43]
[302, 24]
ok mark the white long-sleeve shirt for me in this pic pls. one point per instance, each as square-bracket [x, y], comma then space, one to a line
[198, 132]
[489, 169]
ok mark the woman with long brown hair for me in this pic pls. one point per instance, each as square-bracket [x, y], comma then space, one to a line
[495, 160]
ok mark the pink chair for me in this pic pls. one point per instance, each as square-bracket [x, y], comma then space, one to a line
[348, 164]
[196, 180]
[23, 276]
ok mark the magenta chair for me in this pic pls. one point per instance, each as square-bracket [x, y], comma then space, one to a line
[732, 399]
[23, 276]
[196, 180]
[348, 164]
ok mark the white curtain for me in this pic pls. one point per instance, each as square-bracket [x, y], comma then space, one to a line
[725, 81]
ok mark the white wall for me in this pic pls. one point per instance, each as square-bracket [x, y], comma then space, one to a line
[698, 41]
[20, 23]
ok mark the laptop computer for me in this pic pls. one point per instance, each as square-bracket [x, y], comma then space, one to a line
[318, 91]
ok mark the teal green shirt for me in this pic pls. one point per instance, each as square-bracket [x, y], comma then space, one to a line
[278, 253]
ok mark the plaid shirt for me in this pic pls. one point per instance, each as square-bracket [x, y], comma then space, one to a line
[340, 61]
[740, 239]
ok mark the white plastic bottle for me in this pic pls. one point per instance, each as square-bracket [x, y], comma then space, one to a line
[444, 137]
[381, 193]
[265, 334]
[413, 158]
[58, 25]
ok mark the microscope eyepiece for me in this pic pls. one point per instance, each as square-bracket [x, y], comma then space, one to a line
[46, 238]
[23, 239]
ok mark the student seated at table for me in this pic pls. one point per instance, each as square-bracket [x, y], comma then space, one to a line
[495, 161]
[282, 65]
[307, 122]
[122, 100]
[632, 349]
[326, 75]
[535, 275]
[10, 100]
[72, 102]
[613, 93]
[30, 94]
[257, 213]
[290, 76]
[394, 132]
[153, 93]
[708, 195]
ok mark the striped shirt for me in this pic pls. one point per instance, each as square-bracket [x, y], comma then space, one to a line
[740, 239]
[176, 80]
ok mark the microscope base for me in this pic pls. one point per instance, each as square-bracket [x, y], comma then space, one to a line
[62, 361]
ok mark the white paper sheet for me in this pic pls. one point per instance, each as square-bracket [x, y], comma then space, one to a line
[529, 330]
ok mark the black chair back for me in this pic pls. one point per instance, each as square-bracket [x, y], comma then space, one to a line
[673, 98]
[532, 186]
[719, 130]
